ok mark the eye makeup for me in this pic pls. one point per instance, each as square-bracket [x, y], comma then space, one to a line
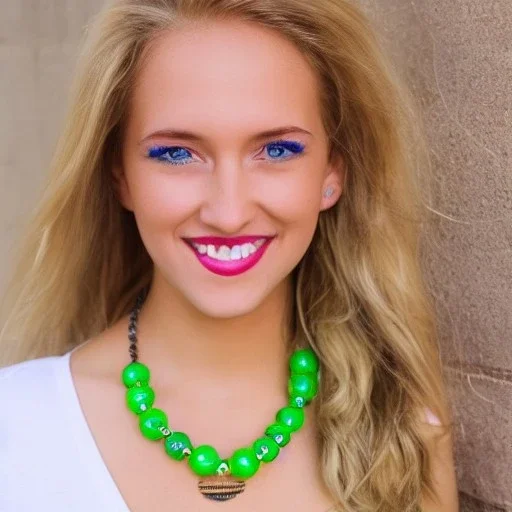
[277, 151]
[174, 155]
[288, 147]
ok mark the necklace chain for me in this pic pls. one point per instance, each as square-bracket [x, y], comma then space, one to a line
[132, 326]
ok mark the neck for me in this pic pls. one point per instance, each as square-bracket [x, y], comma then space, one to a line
[177, 339]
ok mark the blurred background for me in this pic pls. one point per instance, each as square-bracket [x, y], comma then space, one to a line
[457, 57]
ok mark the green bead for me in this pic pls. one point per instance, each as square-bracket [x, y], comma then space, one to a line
[305, 386]
[135, 372]
[304, 361]
[243, 463]
[266, 449]
[140, 399]
[279, 433]
[204, 460]
[291, 417]
[150, 423]
[178, 445]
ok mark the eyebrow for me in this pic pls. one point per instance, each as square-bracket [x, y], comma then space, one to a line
[186, 135]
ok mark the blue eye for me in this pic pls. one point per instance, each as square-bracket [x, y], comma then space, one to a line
[174, 155]
[177, 155]
[283, 149]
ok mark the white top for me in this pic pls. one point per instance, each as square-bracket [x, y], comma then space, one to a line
[49, 460]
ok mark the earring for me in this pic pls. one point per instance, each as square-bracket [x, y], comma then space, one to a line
[329, 191]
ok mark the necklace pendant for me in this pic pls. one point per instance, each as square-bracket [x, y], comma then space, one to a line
[221, 488]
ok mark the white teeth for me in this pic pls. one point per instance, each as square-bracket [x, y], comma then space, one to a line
[236, 252]
[224, 253]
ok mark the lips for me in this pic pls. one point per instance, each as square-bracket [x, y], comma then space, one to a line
[229, 256]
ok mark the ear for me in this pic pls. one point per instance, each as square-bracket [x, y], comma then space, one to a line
[334, 180]
[121, 188]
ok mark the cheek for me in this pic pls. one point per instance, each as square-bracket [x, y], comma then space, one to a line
[295, 206]
[163, 199]
[294, 197]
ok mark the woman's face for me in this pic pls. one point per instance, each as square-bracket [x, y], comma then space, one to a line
[199, 161]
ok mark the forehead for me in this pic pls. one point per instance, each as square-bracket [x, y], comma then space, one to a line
[225, 74]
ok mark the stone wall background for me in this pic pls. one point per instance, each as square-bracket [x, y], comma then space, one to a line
[457, 57]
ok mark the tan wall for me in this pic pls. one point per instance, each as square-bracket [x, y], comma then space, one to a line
[457, 54]
[38, 48]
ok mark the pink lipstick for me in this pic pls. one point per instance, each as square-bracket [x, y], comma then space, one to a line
[229, 256]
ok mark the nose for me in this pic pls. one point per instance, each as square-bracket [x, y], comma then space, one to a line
[227, 206]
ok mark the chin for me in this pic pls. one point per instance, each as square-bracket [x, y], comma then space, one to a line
[227, 297]
[225, 309]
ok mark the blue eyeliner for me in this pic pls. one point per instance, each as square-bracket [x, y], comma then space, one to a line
[167, 153]
[278, 150]
[292, 146]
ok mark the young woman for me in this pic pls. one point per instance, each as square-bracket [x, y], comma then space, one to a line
[227, 247]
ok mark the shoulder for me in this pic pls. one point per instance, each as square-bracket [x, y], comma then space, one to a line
[437, 436]
[29, 379]
[44, 445]
[33, 395]
[429, 423]
[32, 366]
[34, 390]
[37, 404]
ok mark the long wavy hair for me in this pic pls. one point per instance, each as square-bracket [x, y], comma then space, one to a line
[361, 300]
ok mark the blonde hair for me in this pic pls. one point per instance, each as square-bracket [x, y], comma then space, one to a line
[360, 297]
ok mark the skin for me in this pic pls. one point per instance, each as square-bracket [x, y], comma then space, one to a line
[215, 345]
[200, 81]
[439, 445]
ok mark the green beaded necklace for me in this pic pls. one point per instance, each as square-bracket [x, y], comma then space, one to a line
[204, 459]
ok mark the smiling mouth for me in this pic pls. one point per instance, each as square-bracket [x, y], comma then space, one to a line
[228, 257]
[222, 252]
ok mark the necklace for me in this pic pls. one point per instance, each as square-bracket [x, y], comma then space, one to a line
[222, 479]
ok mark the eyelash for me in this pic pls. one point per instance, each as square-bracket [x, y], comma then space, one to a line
[158, 152]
